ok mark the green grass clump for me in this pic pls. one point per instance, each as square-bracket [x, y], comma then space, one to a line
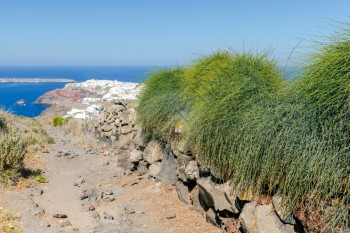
[161, 106]
[57, 121]
[221, 123]
[316, 144]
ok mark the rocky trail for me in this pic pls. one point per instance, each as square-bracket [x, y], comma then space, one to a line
[88, 192]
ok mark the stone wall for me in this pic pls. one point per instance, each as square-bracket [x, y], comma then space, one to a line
[214, 199]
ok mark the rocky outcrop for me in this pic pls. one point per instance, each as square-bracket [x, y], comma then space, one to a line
[216, 200]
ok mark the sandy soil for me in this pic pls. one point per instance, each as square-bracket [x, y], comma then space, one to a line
[145, 206]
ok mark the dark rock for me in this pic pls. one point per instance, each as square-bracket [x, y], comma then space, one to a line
[167, 171]
[214, 197]
[59, 215]
[183, 192]
[197, 201]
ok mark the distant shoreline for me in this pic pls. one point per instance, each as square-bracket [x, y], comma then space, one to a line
[36, 80]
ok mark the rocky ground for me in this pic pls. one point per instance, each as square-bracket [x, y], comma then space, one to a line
[88, 192]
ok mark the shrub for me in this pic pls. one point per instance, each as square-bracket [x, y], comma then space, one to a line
[160, 106]
[228, 103]
[11, 152]
[316, 145]
[57, 121]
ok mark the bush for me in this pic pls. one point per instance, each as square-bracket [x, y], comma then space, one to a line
[316, 146]
[160, 106]
[58, 121]
[228, 103]
[11, 152]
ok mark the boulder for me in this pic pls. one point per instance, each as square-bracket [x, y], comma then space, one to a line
[125, 129]
[214, 197]
[212, 217]
[153, 152]
[262, 219]
[286, 217]
[197, 201]
[192, 170]
[183, 192]
[181, 162]
[154, 169]
[167, 171]
[136, 156]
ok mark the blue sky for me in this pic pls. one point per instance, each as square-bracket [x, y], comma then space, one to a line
[155, 32]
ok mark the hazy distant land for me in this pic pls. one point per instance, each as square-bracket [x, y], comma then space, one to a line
[36, 80]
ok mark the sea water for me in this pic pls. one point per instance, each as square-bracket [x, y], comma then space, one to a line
[11, 92]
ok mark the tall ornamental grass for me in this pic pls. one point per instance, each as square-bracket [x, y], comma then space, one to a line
[317, 147]
[161, 106]
[224, 124]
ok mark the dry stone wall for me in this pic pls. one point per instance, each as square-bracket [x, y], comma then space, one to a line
[174, 163]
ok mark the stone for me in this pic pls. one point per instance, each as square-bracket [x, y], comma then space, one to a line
[118, 172]
[79, 182]
[136, 156]
[183, 192]
[38, 211]
[83, 195]
[45, 150]
[65, 223]
[94, 214]
[109, 192]
[180, 147]
[154, 169]
[262, 219]
[107, 216]
[192, 170]
[167, 171]
[198, 203]
[212, 217]
[286, 217]
[129, 209]
[59, 215]
[12, 182]
[170, 215]
[91, 207]
[138, 140]
[136, 180]
[108, 227]
[125, 129]
[36, 192]
[105, 163]
[181, 162]
[108, 199]
[153, 152]
[214, 197]
[142, 168]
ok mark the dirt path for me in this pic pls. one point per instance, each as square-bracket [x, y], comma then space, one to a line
[93, 193]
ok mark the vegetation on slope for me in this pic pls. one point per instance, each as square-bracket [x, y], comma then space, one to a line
[161, 106]
[260, 131]
[19, 136]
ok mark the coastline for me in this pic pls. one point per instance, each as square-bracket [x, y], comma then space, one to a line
[36, 80]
